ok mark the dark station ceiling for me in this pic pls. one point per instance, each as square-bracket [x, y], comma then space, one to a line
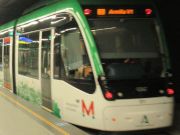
[10, 9]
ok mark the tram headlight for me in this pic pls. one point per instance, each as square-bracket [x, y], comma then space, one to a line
[170, 91]
[107, 92]
[108, 95]
[120, 94]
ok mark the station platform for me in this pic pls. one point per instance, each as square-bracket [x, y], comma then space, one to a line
[19, 117]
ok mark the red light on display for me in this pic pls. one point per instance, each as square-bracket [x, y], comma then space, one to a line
[148, 11]
[108, 95]
[87, 11]
[170, 91]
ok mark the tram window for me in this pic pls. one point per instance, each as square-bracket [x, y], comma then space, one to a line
[75, 58]
[45, 53]
[76, 69]
[28, 54]
[57, 57]
[1, 43]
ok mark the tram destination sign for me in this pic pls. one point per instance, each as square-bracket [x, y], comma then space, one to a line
[119, 11]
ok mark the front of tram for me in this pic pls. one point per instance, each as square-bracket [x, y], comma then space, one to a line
[134, 58]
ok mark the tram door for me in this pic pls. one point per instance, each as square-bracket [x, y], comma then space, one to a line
[45, 70]
[6, 63]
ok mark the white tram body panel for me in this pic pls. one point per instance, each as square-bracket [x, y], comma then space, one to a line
[94, 111]
[77, 106]
[139, 114]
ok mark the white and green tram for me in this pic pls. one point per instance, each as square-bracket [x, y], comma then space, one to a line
[98, 64]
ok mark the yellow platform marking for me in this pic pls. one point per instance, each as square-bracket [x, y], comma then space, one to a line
[35, 114]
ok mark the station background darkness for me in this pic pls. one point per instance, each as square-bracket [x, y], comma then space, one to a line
[169, 12]
[170, 15]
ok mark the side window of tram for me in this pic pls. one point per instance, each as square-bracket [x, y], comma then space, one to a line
[28, 54]
[74, 54]
[57, 56]
[71, 61]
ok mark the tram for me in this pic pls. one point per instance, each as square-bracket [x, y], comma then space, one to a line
[98, 64]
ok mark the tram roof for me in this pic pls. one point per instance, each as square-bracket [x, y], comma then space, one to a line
[87, 2]
[7, 25]
[43, 9]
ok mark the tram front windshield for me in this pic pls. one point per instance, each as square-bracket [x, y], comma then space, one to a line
[129, 48]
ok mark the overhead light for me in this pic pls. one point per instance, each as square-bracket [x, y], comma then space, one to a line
[47, 18]
[29, 24]
[59, 20]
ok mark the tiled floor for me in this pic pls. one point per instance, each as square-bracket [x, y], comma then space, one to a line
[20, 118]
